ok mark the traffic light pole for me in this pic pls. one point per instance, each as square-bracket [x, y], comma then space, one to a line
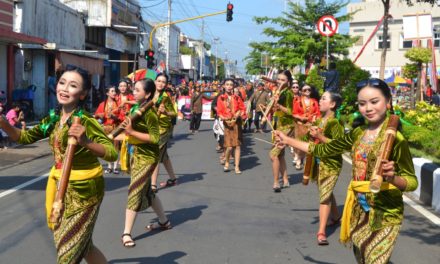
[180, 21]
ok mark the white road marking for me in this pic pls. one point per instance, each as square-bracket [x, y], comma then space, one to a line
[23, 185]
[431, 217]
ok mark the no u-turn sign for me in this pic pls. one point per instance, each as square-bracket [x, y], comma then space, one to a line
[327, 26]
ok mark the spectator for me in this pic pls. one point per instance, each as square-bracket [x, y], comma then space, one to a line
[331, 76]
[15, 116]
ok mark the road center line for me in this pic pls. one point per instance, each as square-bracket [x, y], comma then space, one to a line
[23, 185]
[431, 217]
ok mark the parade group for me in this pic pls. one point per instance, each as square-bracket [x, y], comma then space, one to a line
[300, 119]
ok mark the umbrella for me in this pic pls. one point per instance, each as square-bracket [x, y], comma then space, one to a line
[142, 74]
[396, 80]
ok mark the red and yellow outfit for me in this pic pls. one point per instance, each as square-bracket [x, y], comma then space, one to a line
[227, 107]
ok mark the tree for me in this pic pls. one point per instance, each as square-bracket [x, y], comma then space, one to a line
[254, 65]
[410, 71]
[295, 39]
[419, 56]
[386, 15]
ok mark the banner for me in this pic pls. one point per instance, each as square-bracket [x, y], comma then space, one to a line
[184, 108]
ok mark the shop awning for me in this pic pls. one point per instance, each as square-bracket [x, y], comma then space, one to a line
[9, 36]
[93, 66]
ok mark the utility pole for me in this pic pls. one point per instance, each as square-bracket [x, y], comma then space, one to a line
[216, 41]
[202, 56]
[168, 39]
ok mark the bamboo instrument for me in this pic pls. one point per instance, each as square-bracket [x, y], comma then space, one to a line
[384, 153]
[135, 116]
[58, 204]
[272, 103]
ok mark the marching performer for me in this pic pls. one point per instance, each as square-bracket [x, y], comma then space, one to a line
[85, 189]
[165, 111]
[144, 136]
[108, 115]
[326, 170]
[282, 120]
[231, 109]
[305, 112]
[370, 221]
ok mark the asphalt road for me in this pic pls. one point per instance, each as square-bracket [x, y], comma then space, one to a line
[217, 217]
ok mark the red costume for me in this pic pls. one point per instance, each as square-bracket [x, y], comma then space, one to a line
[227, 106]
[124, 109]
[310, 111]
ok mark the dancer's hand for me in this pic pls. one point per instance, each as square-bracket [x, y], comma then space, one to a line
[127, 126]
[388, 171]
[79, 132]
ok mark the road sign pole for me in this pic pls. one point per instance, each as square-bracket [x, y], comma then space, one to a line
[327, 53]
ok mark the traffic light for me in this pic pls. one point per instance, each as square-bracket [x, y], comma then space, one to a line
[229, 12]
[149, 56]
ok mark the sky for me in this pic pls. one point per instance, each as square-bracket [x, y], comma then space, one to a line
[234, 36]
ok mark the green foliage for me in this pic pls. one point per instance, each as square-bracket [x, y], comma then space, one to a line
[423, 128]
[419, 55]
[253, 65]
[425, 115]
[295, 38]
[349, 76]
[410, 70]
[184, 50]
[315, 80]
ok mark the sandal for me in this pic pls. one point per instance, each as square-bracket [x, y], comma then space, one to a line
[276, 189]
[237, 171]
[154, 188]
[129, 243]
[322, 239]
[169, 183]
[116, 171]
[286, 185]
[158, 225]
[298, 166]
[334, 222]
[107, 171]
[226, 167]
[222, 161]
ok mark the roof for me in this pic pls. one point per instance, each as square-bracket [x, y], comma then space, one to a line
[10, 36]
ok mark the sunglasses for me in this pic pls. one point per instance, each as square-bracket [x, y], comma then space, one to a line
[306, 90]
[296, 87]
[375, 82]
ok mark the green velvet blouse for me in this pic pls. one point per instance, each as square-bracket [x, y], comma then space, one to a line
[386, 206]
[165, 120]
[332, 130]
[286, 100]
[83, 159]
[147, 124]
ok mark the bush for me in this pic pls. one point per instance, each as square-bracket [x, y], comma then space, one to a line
[422, 139]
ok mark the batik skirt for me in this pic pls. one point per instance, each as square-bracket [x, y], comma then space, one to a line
[163, 146]
[288, 130]
[327, 179]
[73, 236]
[233, 134]
[371, 247]
[140, 194]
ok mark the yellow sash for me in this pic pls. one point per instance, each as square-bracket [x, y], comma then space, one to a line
[360, 187]
[75, 175]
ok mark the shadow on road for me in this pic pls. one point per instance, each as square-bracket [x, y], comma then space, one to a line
[168, 258]
[177, 217]
[312, 260]
[426, 233]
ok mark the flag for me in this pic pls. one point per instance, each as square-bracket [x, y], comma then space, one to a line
[433, 67]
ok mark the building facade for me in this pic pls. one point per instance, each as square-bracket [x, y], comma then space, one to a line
[368, 13]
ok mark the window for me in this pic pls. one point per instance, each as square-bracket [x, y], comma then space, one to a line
[437, 39]
[405, 44]
[379, 42]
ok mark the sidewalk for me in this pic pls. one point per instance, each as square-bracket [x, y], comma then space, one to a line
[23, 153]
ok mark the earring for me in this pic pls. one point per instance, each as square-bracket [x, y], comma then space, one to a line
[388, 106]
